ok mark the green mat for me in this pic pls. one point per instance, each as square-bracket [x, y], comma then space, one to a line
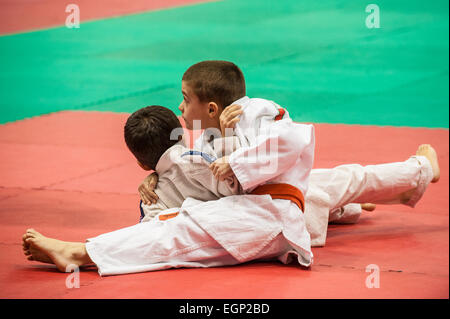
[316, 58]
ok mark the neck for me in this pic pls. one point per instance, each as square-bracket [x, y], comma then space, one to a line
[214, 123]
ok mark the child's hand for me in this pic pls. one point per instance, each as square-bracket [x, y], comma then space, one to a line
[146, 189]
[229, 117]
[221, 169]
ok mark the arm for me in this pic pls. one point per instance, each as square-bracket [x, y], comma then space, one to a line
[229, 118]
[277, 148]
[281, 156]
[147, 187]
[201, 173]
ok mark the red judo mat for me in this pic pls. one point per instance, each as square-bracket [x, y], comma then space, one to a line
[70, 176]
[25, 15]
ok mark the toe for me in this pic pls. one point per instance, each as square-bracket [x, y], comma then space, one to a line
[35, 233]
[31, 233]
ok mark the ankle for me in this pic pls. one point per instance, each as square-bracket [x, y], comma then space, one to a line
[78, 253]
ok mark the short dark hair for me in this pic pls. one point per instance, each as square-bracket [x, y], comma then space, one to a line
[147, 133]
[221, 82]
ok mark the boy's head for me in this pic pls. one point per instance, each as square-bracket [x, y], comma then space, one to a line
[148, 134]
[208, 87]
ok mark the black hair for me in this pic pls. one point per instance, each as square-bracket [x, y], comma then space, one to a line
[221, 82]
[148, 133]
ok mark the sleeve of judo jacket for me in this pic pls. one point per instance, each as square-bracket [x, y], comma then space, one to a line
[150, 211]
[204, 176]
[275, 150]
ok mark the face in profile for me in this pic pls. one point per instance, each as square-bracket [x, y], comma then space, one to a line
[192, 109]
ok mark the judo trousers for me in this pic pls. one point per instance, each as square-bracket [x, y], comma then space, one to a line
[161, 244]
[180, 241]
[331, 191]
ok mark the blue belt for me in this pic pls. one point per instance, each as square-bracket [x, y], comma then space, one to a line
[206, 157]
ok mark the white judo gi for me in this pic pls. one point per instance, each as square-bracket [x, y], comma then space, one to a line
[331, 190]
[205, 232]
[236, 229]
[332, 193]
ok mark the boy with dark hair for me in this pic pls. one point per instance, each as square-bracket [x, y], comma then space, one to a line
[331, 191]
[208, 87]
[233, 229]
[205, 232]
[155, 137]
[147, 134]
[219, 81]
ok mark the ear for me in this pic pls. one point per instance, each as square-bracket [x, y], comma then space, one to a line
[213, 109]
[144, 167]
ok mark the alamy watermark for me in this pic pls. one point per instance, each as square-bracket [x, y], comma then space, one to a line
[373, 280]
[373, 19]
[73, 19]
[73, 280]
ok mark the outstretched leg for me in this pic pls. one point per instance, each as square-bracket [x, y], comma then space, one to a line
[154, 245]
[394, 183]
[58, 252]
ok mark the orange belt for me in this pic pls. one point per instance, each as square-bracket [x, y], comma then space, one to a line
[168, 216]
[276, 191]
[282, 191]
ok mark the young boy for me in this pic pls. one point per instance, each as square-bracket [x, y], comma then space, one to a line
[201, 233]
[209, 87]
[266, 234]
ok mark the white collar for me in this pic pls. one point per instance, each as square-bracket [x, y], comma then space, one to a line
[168, 158]
[242, 100]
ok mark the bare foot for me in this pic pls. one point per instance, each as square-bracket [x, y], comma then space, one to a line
[429, 152]
[33, 254]
[369, 207]
[61, 253]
